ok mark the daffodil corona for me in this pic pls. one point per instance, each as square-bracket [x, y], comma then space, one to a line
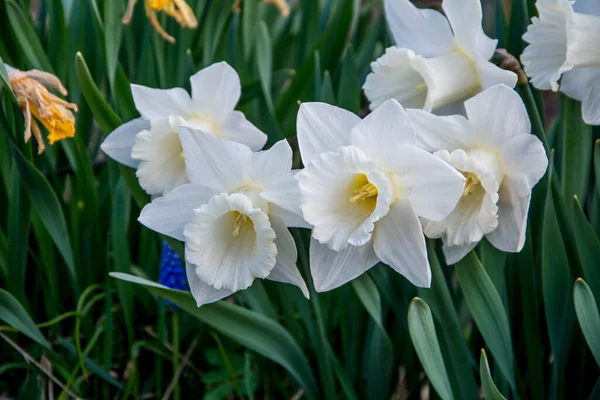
[437, 62]
[501, 161]
[179, 10]
[564, 41]
[54, 113]
[233, 216]
[151, 143]
[364, 188]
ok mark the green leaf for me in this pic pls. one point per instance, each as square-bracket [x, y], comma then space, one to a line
[264, 62]
[380, 351]
[588, 245]
[46, 204]
[488, 312]
[349, 91]
[490, 391]
[248, 328]
[26, 37]
[13, 313]
[459, 359]
[575, 150]
[588, 316]
[249, 14]
[106, 117]
[112, 36]
[424, 338]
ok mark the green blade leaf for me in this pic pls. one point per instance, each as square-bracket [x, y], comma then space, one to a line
[106, 117]
[46, 204]
[490, 391]
[424, 338]
[349, 87]
[488, 312]
[112, 38]
[588, 316]
[588, 245]
[248, 328]
[26, 37]
[13, 313]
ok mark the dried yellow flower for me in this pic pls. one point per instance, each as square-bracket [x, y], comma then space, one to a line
[53, 112]
[179, 10]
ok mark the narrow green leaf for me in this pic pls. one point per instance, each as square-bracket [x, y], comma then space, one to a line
[588, 316]
[248, 328]
[380, 351]
[575, 150]
[249, 14]
[488, 312]
[13, 313]
[264, 62]
[490, 391]
[46, 204]
[112, 38]
[424, 338]
[26, 37]
[349, 91]
[106, 117]
[588, 245]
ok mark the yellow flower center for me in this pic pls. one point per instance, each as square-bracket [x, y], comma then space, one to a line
[241, 221]
[364, 192]
[158, 5]
[471, 183]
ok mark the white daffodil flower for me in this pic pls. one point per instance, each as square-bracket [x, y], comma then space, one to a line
[233, 216]
[501, 161]
[438, 62]
[364, 188]
[151, 143]
[565, 42]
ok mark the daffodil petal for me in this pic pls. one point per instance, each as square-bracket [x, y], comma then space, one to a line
[491, 75]
[285, 270]
[399, 242]
[465, 18]
[237, 128]
[525, 160]
[509, 236]
[331, 269]
[492, 127]
[203, 293]
[591, 105]
[161, 103]
[454, 254]
[216, 90]
[291, 219]
[270, 166]
[322, 128]
[591, 7]
[425, 31]
[382, 132]
[284, 194]
[213, 162]
[432, 186]
[170, 213]
[577, 82]
[119, 143]
[440, 132]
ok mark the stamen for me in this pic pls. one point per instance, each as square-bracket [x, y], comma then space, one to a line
[471, 183]
[363, 192]
[239, 222]
[421, 86]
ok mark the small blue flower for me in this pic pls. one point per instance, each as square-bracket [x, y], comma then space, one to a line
[172, 271]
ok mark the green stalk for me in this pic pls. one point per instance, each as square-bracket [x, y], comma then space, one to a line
[325, 366]
[175, 326]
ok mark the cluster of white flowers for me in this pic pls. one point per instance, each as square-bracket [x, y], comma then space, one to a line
[565, 42]
[370, 189]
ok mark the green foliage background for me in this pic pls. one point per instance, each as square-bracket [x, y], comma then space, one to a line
[68, 219]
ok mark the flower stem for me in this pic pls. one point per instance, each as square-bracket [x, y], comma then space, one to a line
[175, 327]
